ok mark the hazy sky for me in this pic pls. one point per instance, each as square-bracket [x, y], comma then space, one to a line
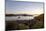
[21, 7]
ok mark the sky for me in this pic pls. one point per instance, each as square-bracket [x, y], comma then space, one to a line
[23, 7]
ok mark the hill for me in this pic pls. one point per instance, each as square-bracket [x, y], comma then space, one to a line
[39, 21]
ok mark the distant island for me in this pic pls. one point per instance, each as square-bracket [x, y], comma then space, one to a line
[18, 15]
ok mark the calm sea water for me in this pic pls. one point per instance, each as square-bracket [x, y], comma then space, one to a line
[18, 18]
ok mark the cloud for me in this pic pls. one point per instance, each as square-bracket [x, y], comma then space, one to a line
[29, 0]
[30, 12]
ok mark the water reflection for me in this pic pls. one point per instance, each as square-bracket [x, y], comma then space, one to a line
[19, 17]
